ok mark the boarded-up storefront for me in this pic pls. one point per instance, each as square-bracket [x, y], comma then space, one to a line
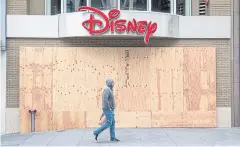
[154, 87]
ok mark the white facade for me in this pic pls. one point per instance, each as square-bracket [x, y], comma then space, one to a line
[70, 25]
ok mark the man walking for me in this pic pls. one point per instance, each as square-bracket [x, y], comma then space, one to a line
[108, 106]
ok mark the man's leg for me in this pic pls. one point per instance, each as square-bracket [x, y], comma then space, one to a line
[112, 129]
[109, 116]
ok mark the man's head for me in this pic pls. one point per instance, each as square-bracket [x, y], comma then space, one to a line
[110, 83]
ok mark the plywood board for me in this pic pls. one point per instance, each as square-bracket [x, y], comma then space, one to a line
[143, 119]
[68, 120]
[126, 119]
[154, 87]
[43, 121]
[36, 87]
[199, 119]
[92, 118]
[25, 123]
[167, 119]
[199, 79]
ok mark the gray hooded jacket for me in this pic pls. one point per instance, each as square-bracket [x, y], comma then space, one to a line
[108, 102]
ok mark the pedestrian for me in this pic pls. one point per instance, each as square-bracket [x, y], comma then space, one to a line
[108, 106]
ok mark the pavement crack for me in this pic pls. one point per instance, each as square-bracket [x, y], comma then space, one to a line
[170, 137]
[81, 137]
[24, 140]
[52, 139]
[204, 140]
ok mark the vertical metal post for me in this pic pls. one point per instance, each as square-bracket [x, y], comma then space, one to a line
[32, 112]
[149, 5]
[62, 6]
[32, 122]
[119, 4]
[88, 2]
[173, 6]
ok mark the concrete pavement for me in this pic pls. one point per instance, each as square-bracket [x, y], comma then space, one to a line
[129, 137]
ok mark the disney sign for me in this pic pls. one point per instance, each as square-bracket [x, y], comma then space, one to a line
[118, 25]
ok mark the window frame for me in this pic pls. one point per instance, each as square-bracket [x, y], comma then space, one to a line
[173, 9]
[149, 2]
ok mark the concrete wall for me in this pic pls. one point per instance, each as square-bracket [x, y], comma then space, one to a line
[0, 23]
[204, 27]
[70, 25]
[3, 57]
[3, 63]
[32, 26]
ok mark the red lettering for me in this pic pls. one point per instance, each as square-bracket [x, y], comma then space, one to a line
[142, 27]
[121, 25]
[112, 26]
[92, 21]
[152, 28]
[132, 26]
[113, 14]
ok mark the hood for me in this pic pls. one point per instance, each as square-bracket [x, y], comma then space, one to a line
[109, 83]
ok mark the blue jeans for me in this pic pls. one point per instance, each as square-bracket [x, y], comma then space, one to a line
[109, 123]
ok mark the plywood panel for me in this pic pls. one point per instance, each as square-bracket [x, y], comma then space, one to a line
[25, 124]
[169, 78]
[199, 119]
[154, 87]
[43, 121]
[167, 119]
[68, 120]
[92, 118]
[36, 87]
[200, 86]
[144, 119]
[126, 119]
[139, 71]
[192, 78]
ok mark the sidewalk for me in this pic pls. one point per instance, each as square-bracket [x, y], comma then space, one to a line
[129, 137]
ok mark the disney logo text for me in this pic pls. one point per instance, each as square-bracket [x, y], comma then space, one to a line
[119, 25]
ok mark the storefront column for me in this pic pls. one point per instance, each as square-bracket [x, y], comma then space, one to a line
[235, 63]
[3, 61]
[3, 91]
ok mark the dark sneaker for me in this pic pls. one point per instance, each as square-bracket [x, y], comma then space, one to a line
[96, 136]
[115, 140]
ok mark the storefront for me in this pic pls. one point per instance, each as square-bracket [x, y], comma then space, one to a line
[169, 70]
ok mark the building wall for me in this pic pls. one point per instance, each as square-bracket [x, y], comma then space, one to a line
[23, 7]
[223, 65]
[37, 7]
[195, 7]
[215, 7]
[219, 7]
[19, 7]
